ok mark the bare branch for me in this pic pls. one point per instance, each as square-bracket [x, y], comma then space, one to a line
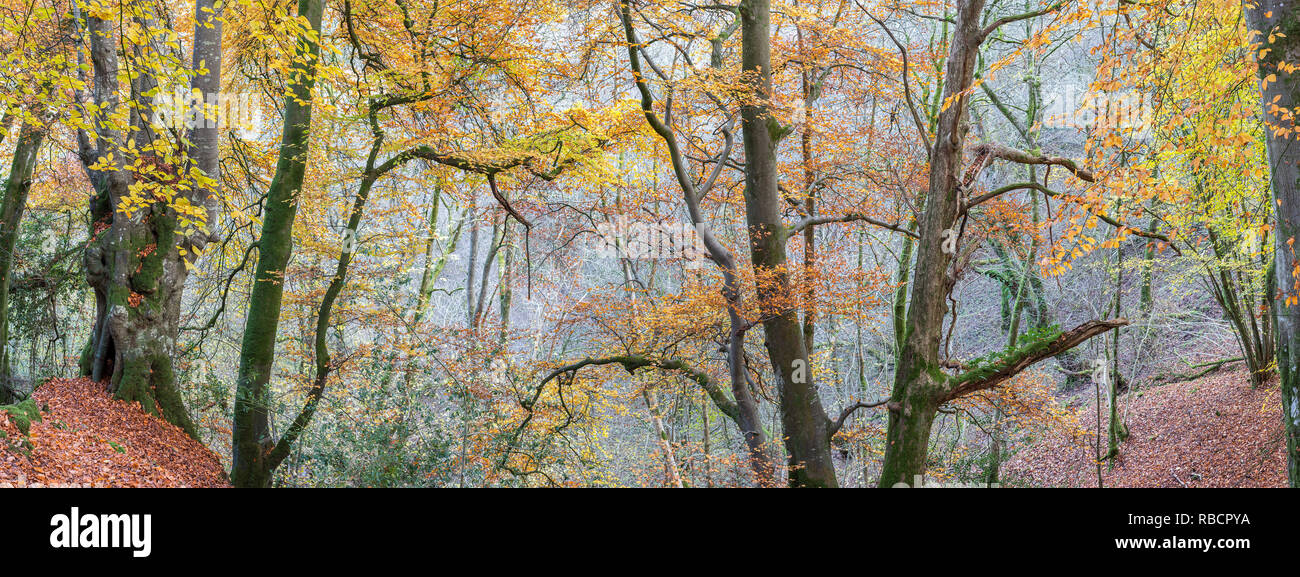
[848, 411]
[921, 131]
[1006, 111]
[1019, 156]
[1049, 192]
[721, 161]
[850, 217]
[633, 362]
[1025, 16]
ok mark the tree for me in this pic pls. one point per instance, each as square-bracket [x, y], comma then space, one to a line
[807, 428]
[36, 66]
[1276, 30]
[543, 155]
[745, 404]
[920, 385]
[17, 185]
[153, 199]
[251, 443]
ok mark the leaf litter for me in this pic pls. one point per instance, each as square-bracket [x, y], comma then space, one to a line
[86, 438]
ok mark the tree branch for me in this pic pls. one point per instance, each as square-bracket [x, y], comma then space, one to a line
[1014, 155]
[633, 362]
[848, 411]
[850, 217]
[1049, 192]
[1025, 16]
[1015, 361]
[1006, 112]
[921, 131]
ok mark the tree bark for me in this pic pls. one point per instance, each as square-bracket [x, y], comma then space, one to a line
[802, 416]
[130, 260]
[251, 442]
[918, 380]
[1277, 24]
[17, 185]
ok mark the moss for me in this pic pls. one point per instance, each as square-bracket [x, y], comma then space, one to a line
[148, 379]
[1027, 345]
[133, 384]
[23, 414]
[87, 360]
[935, 371]
[151, 252]
[118, 295]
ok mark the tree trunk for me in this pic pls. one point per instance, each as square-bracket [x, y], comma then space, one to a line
[130, 260]
[251, 441]
[17, 185]
[900, 293]
[671, 471]
[805, 422]
[919, 381]
[747, 416]
[920, 385]
[1278, 25]
[203, 140]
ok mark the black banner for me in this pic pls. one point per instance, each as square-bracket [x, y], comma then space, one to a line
[305, 528]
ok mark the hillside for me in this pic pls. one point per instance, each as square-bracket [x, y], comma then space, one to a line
[1211, 432]
[87, 438]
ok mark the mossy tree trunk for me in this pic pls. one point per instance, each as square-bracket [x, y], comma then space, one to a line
[919, 382]
[251, 442]
[1278, 26]
[921, 386]
[132, 261]
[17, 185]
[256, 454]
[1244, 298]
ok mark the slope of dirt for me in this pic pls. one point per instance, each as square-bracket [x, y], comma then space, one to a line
[1211, 432]
[87, 438]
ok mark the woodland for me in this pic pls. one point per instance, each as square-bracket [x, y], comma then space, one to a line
[649, 243]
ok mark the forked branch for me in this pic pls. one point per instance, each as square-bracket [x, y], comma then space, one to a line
[633, 362]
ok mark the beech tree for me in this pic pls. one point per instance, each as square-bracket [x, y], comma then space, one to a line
[17, 185]
[153, 202]
[1276, 27]
[921, 386]
[252, 445]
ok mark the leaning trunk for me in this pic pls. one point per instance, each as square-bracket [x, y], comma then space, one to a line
[17, 186]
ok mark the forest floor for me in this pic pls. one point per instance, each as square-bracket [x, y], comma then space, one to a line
[1215, 431]
[87, 438]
